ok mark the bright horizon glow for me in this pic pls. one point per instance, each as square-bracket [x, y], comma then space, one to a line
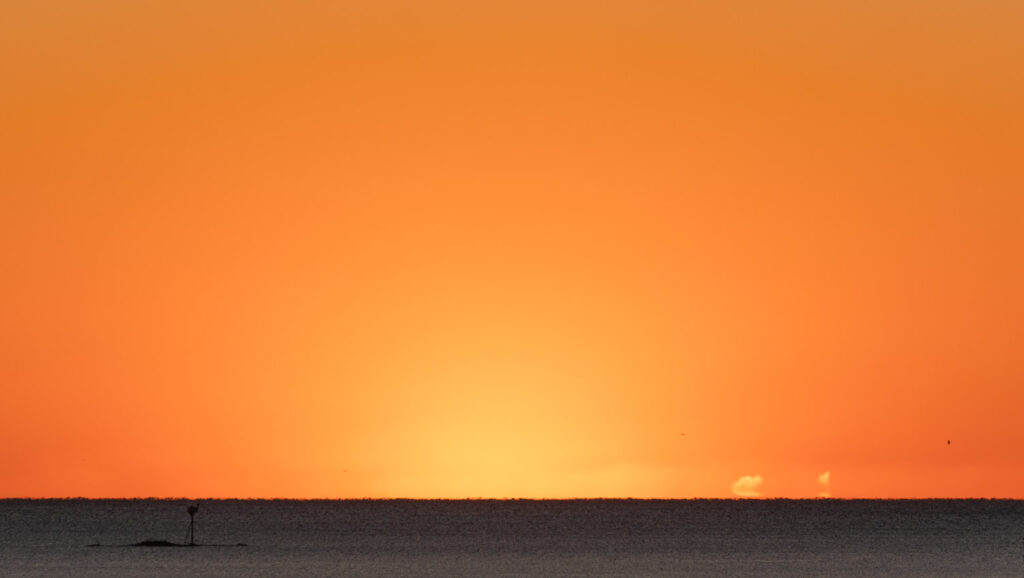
[451, 249]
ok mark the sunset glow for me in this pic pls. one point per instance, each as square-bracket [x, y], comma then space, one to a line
[511, 249]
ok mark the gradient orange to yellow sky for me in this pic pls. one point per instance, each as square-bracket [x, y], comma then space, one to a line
[447, 248]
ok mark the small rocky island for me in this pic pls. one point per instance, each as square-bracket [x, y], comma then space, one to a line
[159, 544]
[190, 537]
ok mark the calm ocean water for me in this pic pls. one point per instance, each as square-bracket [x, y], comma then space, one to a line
[516, 537]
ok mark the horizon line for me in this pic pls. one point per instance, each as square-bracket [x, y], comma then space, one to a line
[504, 499]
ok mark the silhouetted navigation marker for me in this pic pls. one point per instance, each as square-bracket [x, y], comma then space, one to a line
[190, 536]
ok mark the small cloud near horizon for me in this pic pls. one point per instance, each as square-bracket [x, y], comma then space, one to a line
[824, 480]
[747, 486]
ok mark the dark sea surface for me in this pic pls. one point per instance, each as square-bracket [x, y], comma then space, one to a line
[516, 538]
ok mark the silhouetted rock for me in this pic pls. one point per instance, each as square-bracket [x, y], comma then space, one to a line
[156, 544]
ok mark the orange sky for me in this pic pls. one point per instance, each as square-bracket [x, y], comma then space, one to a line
[405, 248]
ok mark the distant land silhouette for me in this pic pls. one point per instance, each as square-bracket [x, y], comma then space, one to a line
[158, 544]
[190, 537]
